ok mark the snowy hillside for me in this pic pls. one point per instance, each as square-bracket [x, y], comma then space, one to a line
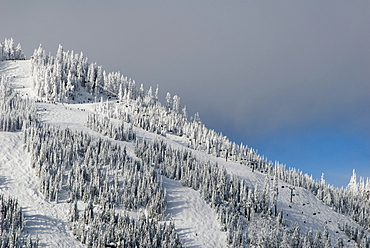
[215, 194]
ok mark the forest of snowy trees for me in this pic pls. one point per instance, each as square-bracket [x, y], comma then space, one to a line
[85, 168]
[101, 174]
[103, 125]
[248, 214]
[61, 77]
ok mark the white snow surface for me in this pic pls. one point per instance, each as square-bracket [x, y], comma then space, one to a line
[195, 222]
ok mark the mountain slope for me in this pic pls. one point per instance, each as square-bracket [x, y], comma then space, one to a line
[195, 221]
[48, 220]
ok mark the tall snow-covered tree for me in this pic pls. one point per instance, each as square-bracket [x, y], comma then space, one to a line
[176, 104]
[352, 185]
[70, 86]
[9, 49]
[99, 79]
[168, 101]
[19, 52]
[1, 51]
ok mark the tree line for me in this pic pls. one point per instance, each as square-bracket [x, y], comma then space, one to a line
[8, 50]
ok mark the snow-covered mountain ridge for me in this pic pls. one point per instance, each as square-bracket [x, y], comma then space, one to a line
[254, 209]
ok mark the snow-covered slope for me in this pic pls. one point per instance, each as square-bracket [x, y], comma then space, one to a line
[195, 222]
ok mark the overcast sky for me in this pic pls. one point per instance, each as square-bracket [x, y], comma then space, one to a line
[289, 78]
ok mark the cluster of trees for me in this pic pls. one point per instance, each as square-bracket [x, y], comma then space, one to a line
[355, 234]
[12, 224]
[14, 110]
[60, 77]
[360, 188]
[98, 172]
[147, 112]
[352, 202]
[57, 78]
[249, 214]
[106, 127]
[267, 233]
[240, 208]
[8, 50]
[355, 206]
[105, 228]
[91, 169]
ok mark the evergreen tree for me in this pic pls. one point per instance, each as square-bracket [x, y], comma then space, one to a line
[18, 53]
[176, 104]
[168, 101]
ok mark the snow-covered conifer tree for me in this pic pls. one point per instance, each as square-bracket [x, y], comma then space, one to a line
[1, 51]
[19, 52]
[168, 101]
[99, 79]
[70, 86]
[176, 104]
[120, 93]
[352, 185]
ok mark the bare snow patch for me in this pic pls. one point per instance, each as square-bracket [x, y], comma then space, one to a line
[195, 222]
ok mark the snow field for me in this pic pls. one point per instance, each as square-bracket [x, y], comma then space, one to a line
[195, 222]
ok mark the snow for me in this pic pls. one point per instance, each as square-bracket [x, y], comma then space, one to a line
[19, 73]
[195, 222]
